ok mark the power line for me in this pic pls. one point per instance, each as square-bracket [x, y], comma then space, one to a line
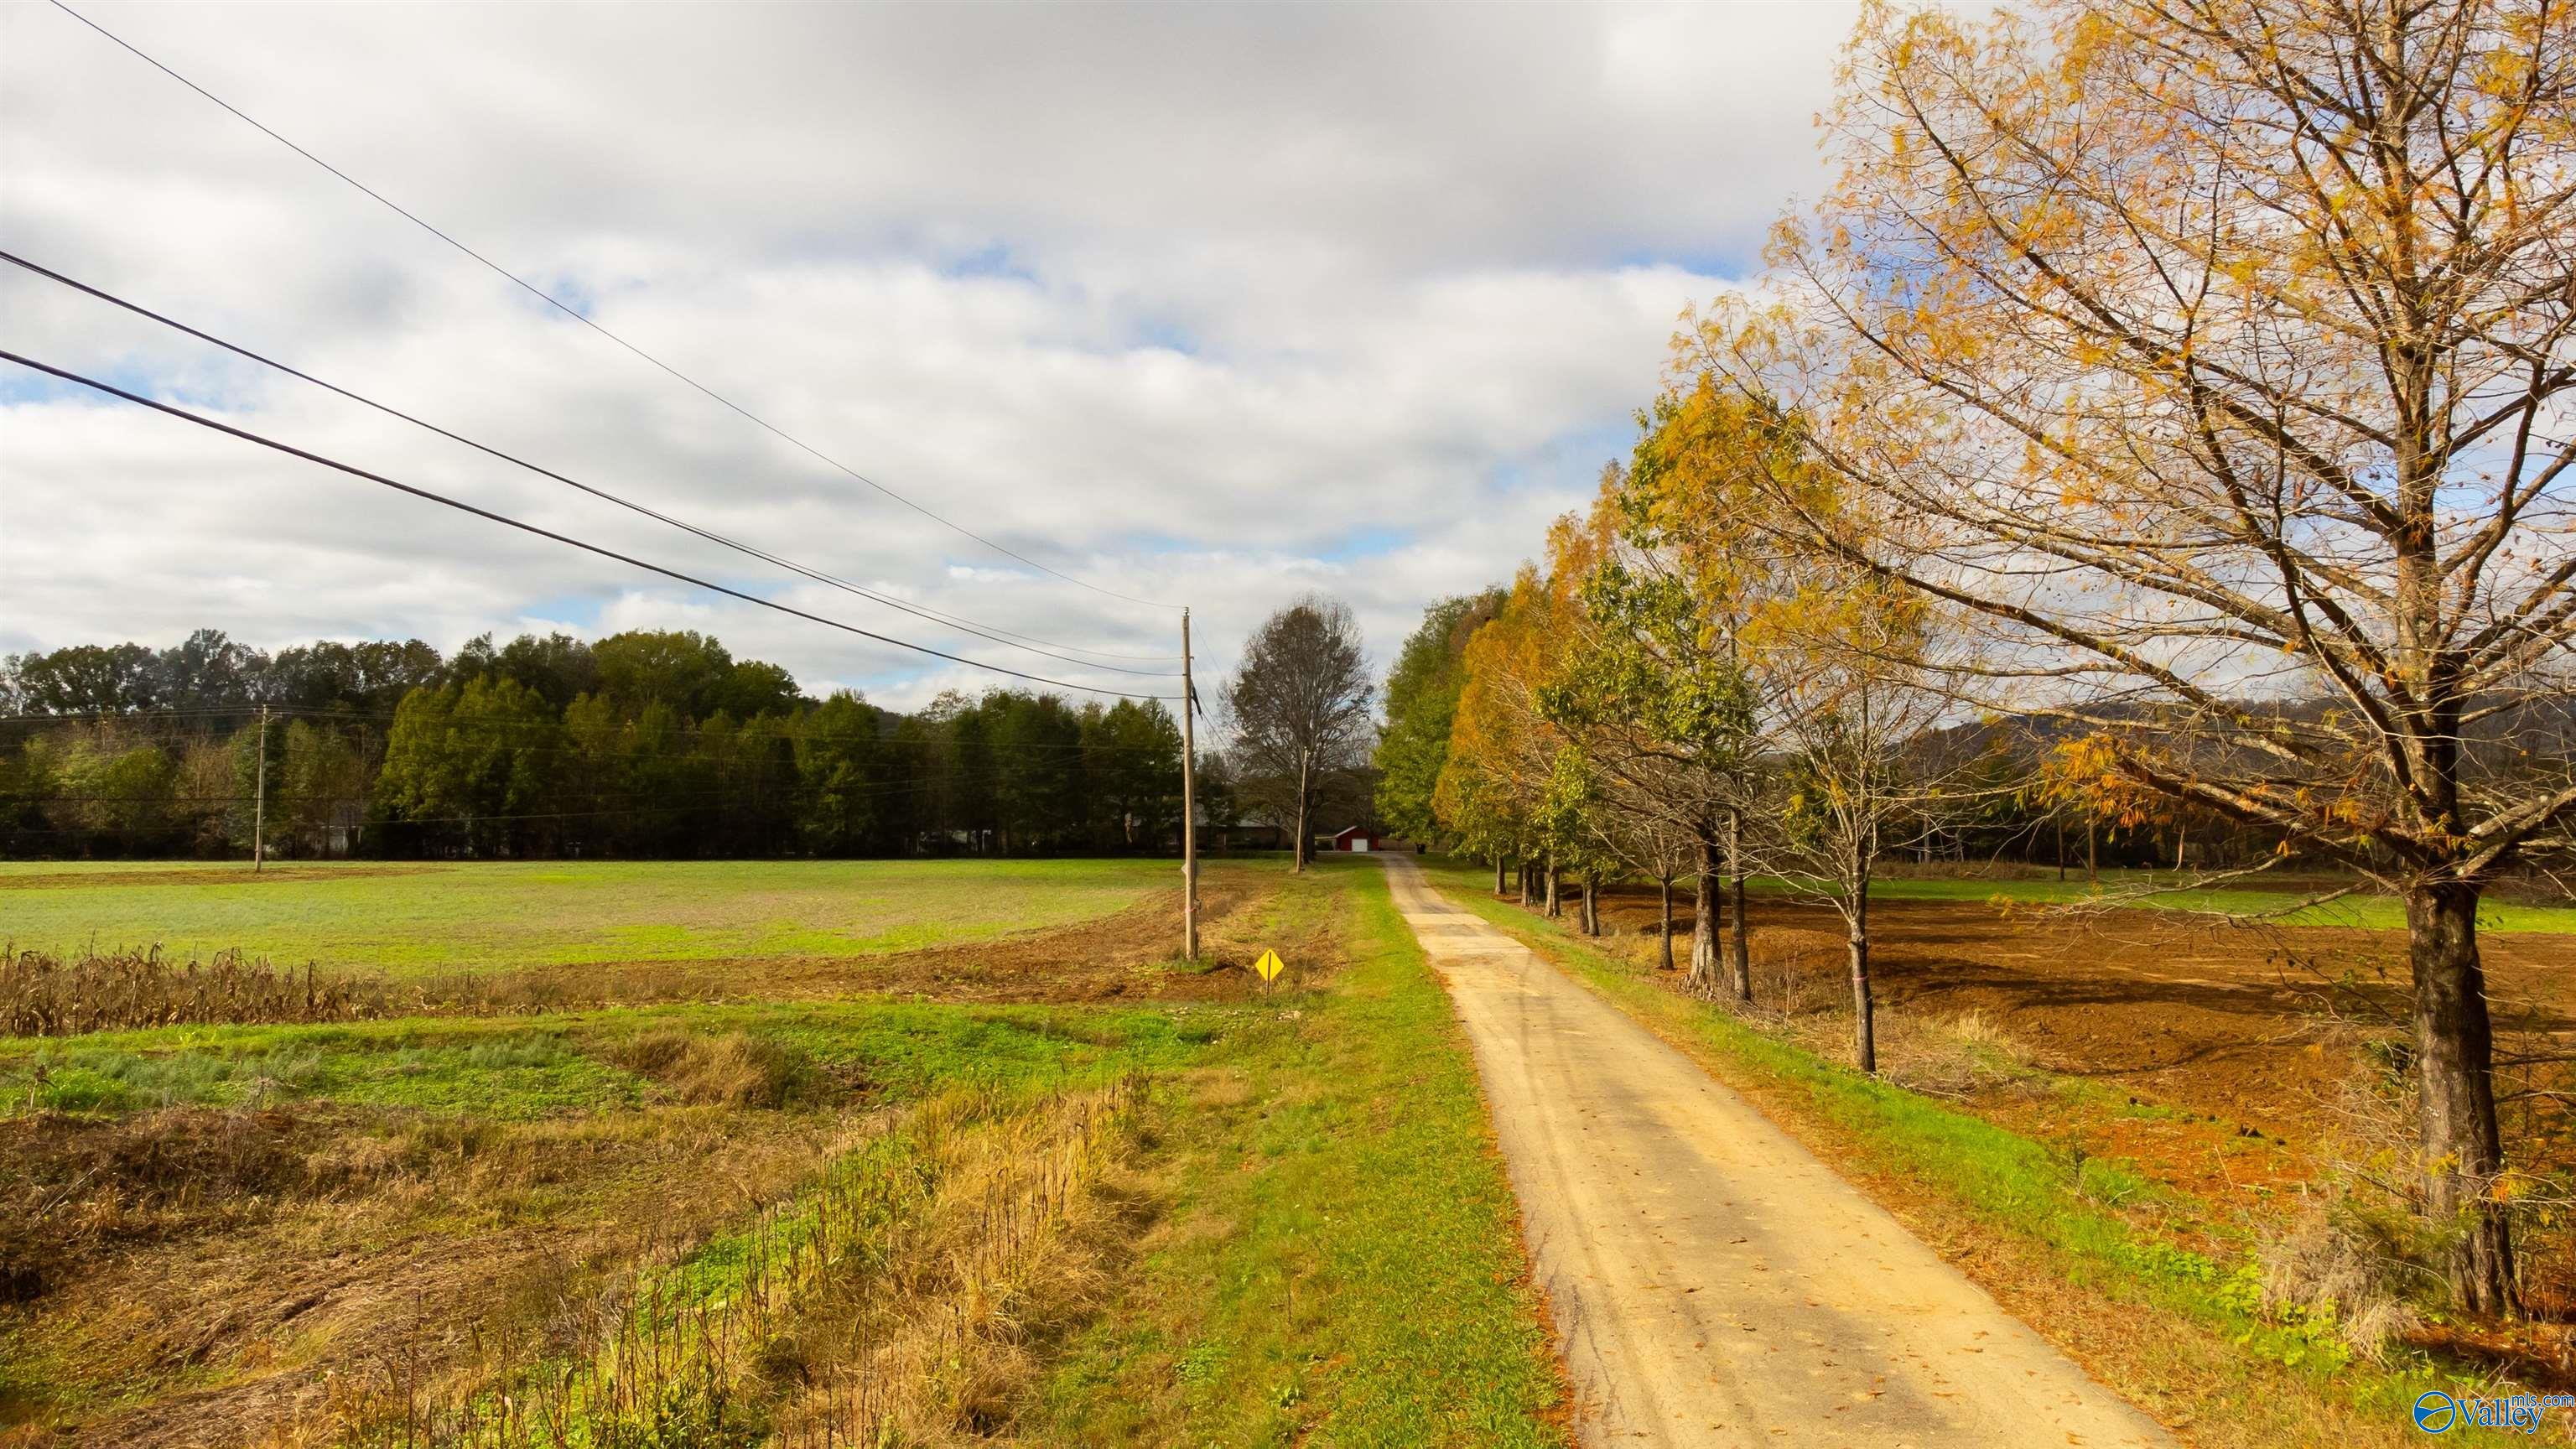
[576, 314]
[999, 636]
[502, 518]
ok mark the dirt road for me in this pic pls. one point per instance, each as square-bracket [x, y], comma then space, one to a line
[1713, 1283]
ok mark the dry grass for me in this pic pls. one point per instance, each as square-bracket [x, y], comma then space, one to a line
[46, 995]
[939, 1349]
[2333, 1269]
[733, 1070]
[891, 1299]
[2358, 1256]
[186, 1274]
[240, 1268]
[82, 1185]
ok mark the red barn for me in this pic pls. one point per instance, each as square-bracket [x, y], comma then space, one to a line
[1359, 838]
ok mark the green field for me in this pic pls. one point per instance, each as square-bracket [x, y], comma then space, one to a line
[1244, 1218]
[437, 916]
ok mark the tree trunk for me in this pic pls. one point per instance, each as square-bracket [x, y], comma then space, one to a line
[1555, 895]
[1591, 903]
[2455, 1074]
[1525, 884]
[1739, 945]
[1863, 1006]
[1499, 886]
[1864, 1014]
[2061, 850]
[1703, 960]
[1667, 883]
[2092, 857]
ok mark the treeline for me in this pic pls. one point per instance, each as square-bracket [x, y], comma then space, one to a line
[2087, 450]
[638, 744]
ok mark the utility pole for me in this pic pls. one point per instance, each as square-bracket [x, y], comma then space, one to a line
[1189, 802]
[259, 805]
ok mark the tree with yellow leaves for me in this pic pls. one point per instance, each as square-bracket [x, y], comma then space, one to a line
[1493, 786]
[2224, 352]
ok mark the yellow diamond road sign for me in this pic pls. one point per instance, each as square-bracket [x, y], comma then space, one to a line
[1269, 967]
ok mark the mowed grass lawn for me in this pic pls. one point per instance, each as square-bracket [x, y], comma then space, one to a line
[414, 917]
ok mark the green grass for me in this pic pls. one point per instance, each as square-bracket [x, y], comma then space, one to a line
[513, 1069]
[2356, 912]
[517, 1075]
[430, 917]
[1332, 1256]
[2008, 1184]
[1342, 1264]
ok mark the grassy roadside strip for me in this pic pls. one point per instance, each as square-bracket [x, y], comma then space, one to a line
[1338, 1258]
[2167, 1327]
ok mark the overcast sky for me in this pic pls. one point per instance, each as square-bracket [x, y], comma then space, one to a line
[1203, 305]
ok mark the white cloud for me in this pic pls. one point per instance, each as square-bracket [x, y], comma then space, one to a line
[1205, 304]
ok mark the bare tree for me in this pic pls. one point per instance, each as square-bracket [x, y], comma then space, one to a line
[2228, 350]
[1300, 708]
[1855, 704]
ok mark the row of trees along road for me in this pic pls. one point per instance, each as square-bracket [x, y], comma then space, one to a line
[2166, 414]
[638, 744]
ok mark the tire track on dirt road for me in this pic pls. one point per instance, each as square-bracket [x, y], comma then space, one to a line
[1713, 1283]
